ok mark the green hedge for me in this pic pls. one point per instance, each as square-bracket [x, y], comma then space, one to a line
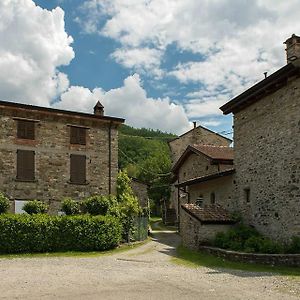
[44, 233]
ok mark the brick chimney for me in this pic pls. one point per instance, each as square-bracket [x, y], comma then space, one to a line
[99, 109]
[292, 48]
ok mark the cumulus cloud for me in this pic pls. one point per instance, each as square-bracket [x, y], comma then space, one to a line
[131, 102]
[235, 40]
[33, 44]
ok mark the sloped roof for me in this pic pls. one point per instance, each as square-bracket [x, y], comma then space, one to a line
[205, 178]
[263, 88]
[211, 214]
[214, 153]
[201, 127]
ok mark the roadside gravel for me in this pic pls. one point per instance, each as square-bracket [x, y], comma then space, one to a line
[145, 272]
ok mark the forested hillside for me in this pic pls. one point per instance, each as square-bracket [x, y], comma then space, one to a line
[146, 156]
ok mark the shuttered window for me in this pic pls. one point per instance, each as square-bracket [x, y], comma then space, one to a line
[25, 129]
[77, 135]
[78, 169]
[25, 165]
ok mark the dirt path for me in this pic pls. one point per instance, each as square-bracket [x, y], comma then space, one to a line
[142, 273]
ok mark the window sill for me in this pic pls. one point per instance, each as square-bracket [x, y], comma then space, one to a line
[24, 180]
[76, 183]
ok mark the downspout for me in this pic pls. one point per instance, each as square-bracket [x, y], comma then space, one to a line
[109, 158]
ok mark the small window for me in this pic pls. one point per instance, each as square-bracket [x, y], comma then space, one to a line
[247, 195]
[212, 198]
[25, 129]
[199, 200]
[77, 135]
[78, 169]
[25, 165]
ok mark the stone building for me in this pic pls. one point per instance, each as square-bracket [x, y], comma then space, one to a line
[199, 135]
[140, 190]
[48, 154]
[267, 149]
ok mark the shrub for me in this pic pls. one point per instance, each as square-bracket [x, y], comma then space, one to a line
[44, 233]
[35, 207]
[4, 204]
[96, 205]
[294, 246]
[70, 207]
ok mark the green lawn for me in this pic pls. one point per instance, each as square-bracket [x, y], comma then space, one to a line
[122, 248]
[195, 259]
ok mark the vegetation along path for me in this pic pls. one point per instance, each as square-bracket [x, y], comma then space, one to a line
[149, 271]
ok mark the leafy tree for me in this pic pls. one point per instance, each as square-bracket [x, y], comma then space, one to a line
[4, 204]
[128, 206]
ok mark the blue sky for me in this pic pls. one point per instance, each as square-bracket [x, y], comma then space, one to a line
[158, 63]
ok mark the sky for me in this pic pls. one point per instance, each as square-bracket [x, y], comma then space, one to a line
[159, 64]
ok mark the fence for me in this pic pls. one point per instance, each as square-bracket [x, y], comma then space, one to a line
[141, 228]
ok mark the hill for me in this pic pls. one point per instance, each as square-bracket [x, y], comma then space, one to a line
[145, 154]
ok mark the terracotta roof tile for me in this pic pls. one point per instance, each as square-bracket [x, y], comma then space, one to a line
[208, 214]
[215, 152]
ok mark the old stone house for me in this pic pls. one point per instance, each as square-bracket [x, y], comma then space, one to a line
[48, 154]
[199, 135]
[267, 149]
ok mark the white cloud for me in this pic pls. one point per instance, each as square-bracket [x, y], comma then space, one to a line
[130, 102]
[33, 44]
[237, 40]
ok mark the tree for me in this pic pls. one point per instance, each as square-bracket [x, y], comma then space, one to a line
[128, 205]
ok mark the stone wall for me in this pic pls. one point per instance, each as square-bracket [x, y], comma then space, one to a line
[221, 187]
[291, 260]
[140, 190]
[198, 135]
[194, 234]
[52, 157]
[267, 162]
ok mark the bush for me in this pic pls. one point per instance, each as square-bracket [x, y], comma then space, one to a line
[35, 207]
[294, 246]
[4, 204]
[70, 207]
[44, 233]
[96, 205]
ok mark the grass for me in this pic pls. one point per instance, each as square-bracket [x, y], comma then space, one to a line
[120, 249]
[157, 224]
[194, 259]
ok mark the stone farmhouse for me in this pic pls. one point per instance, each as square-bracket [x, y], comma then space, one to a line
[199, 135]
[140, 190]
[48, 154]
[267, 149]
[263, 184]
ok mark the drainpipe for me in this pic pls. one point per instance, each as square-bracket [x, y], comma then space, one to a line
[109, 158]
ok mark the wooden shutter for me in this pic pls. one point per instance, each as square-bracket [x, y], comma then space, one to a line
[25, 129]
[78, 168]
[25, 165]
[77, 135]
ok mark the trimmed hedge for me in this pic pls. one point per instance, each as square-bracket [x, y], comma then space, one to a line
[35, 207]
[44, 233]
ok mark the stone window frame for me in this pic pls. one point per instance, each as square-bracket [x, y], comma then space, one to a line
[26, 129]
[25, 166]
[77, 164]
[78, 135]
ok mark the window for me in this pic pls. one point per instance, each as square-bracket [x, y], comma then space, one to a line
[25, 165]
[199, 200]
[77, 135]
[78, 169]
[212, 198]
[25, 129]
[247, 195]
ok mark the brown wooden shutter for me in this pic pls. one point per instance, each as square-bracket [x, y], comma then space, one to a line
[78, 168]
[77, 135]
[25, 165]
[26, 129]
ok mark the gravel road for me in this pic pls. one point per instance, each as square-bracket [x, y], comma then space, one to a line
[145, 272]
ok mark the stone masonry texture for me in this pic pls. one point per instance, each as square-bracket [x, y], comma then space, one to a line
[267, 162]
[52, 157]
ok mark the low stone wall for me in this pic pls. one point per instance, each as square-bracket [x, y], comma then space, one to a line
[291, 260]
